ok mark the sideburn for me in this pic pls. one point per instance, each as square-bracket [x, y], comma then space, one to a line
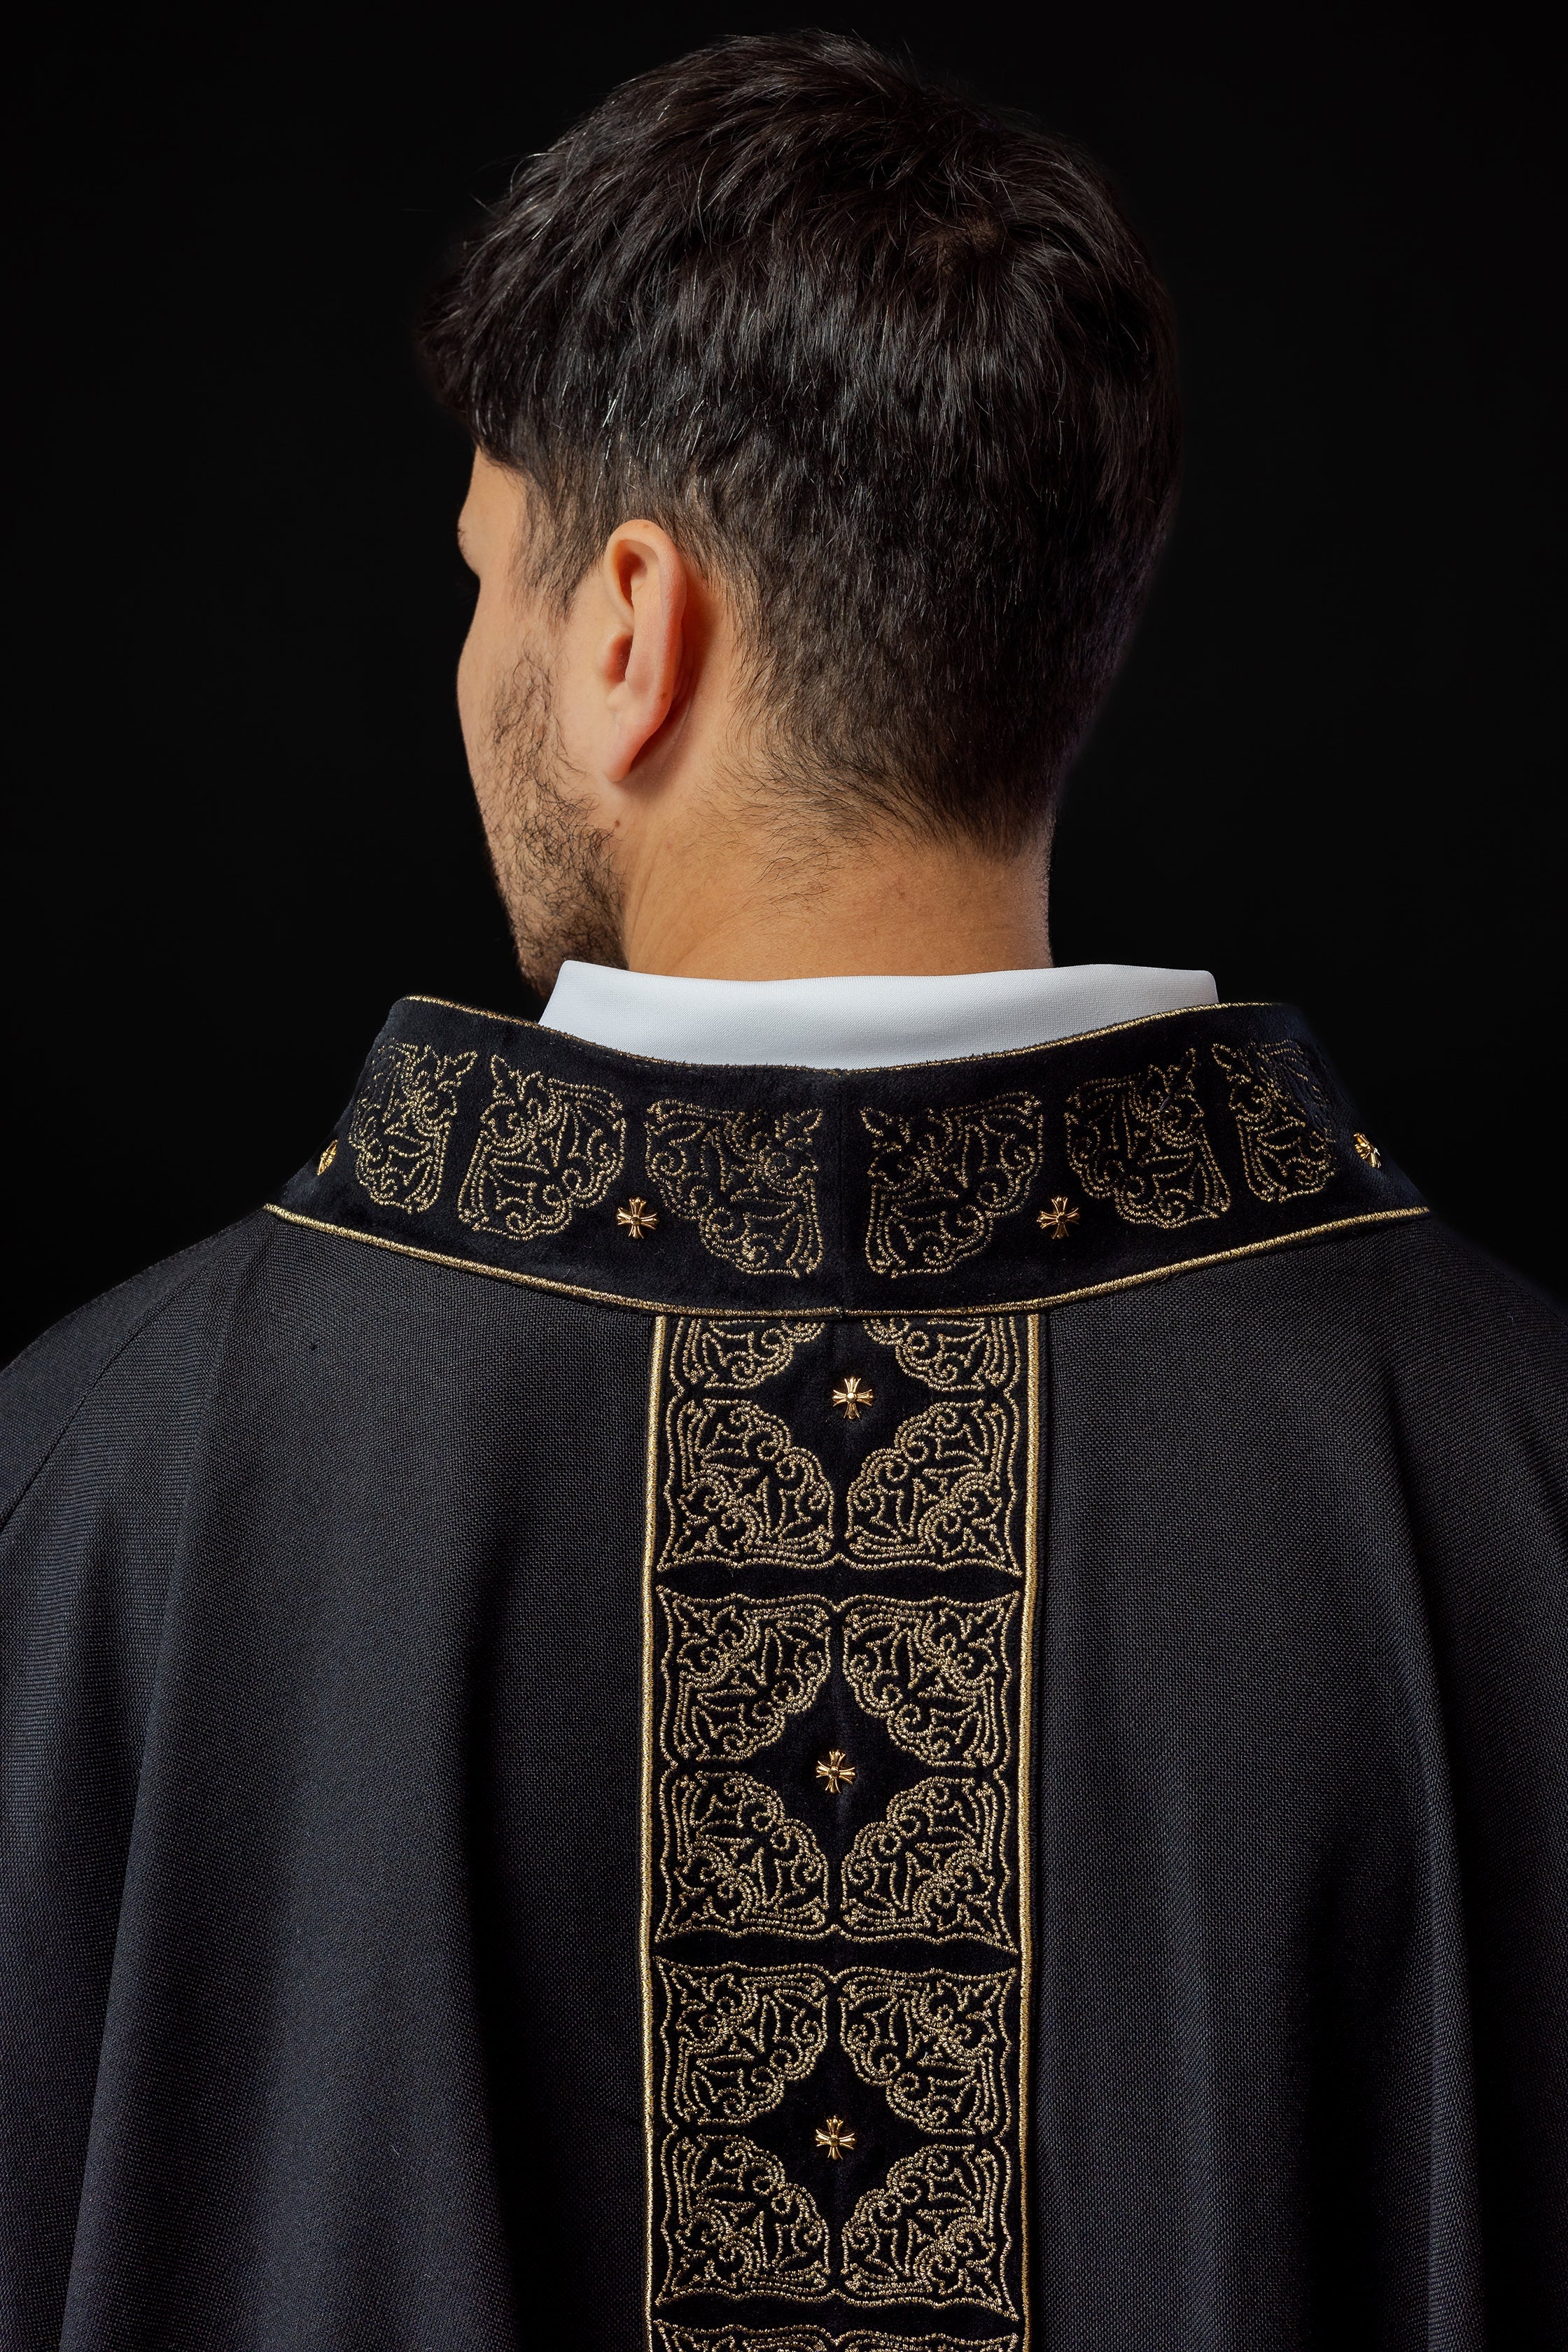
[551, 866]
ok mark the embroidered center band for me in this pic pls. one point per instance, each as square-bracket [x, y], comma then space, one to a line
[839, 1627]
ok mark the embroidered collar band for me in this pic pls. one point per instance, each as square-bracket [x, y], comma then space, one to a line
[1012, 1179]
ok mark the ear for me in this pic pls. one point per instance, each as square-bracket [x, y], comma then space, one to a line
[642, 656]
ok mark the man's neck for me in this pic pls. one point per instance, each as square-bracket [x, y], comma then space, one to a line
[748, 909]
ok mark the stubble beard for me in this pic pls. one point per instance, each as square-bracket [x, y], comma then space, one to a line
[551, 868]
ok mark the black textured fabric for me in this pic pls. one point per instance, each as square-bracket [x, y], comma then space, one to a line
[1303, 2043]
[321, 1703]
[321, 2012]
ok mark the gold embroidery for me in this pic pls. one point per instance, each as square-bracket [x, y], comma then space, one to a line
[1034, 1305]
[872, 2339]
[401, 1123]
[1056, 1220]
[1141, 1142]
[746, 1179]
[936, 1866]
[935, 1672]
[977, 1351]
[934, 2041]
[736, 1670]
[1283, 1117]
[936, 2231]
[1024, 1783]
[738, 1355]
[736, 2038]
[940, 1495]
[736, 2225]
[547, 1148]
[651, 2170]
[942, 1179]
[741, 1490]
[816, 2339]
[735, 1862]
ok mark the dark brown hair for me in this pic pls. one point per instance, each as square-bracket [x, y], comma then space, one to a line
[891, 368]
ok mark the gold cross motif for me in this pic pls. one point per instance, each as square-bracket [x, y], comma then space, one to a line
[636, 1217]
[835, 2138]
[1367, 1149]
[836, 1769]
[327, 1158]
[1056, 1220]
[854, 1397]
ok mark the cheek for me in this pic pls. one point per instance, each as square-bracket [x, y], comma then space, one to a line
[489, 650]
[471, 694]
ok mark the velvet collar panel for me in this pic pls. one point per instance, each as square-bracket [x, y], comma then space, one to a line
[1008, 1180]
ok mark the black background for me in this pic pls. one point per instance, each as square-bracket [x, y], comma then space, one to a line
[241, 820]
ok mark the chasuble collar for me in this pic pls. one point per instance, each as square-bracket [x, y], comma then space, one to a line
[1006, 1181]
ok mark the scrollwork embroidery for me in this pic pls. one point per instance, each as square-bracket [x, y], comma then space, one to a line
[934, 2040]
[1283, 1119]
[403, 1122]
[741, 1491]
[936, 1675]
[746, 1179]
[936, 2231]
[943, 1178]
[971, 1351]
[736, 2038]
[736, 1670]
[709, 1355]
[817, 2339]
[736, 2225]
[1140, 1142]
[936, 1866]
[754, 1859]
[736, 1862]
[547, 1148]
[940, 1495]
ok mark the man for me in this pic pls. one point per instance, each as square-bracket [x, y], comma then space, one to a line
[805, 1661]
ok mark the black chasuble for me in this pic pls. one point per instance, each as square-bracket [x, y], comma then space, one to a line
[693, 1709]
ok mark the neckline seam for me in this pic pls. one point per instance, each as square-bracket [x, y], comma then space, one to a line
[860, 1071]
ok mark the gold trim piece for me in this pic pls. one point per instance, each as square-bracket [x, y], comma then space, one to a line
[1040, 1305]
[1025, 1778]
[820, 1070]
[645, 1926]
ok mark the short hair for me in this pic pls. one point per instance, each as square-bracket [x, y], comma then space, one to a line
[889, 365]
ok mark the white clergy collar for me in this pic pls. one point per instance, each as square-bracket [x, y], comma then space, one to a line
[863, 1023]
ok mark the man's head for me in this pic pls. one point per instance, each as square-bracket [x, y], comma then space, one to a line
[825, 418]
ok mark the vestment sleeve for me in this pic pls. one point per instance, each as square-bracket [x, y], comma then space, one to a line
[1482, 1415]
[98, 1425]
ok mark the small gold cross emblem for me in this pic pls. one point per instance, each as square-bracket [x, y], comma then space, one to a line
[638, 1217]
[1056, 1220]
[327, 1158]
[1367, 1149]
[835, 2138]
[854, 1397]
[836, 1769]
